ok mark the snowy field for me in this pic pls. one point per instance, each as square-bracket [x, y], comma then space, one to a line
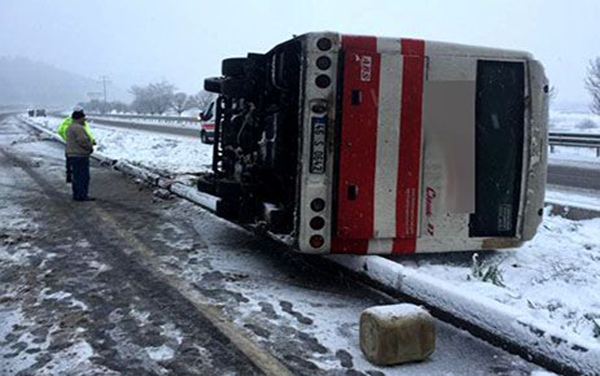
[576, 197]
[168, 154]
[577, 122]
[176, 124]
[555, 278]
[570, 155]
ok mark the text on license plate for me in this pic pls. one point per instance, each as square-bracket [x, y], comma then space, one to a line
[318, 142]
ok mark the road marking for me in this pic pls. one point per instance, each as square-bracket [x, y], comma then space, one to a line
[260, 357]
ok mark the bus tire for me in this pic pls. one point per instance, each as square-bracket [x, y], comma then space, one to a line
[234, 87]
[233, 67]
[213, 85]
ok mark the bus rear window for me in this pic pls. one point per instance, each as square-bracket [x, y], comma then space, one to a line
[499, 117]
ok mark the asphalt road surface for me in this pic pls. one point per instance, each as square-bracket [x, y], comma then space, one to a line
[133, 284]
[574, 176]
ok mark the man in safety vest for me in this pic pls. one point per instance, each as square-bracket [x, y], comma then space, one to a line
[78, 149]
[62, 132]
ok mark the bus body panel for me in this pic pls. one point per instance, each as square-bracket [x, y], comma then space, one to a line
[393, 145]
[406, 174]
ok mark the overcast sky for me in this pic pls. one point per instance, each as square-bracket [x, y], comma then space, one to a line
[138, 41]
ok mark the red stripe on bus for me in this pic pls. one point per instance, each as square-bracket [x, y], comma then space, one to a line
[404, 246]
[409, 156]
[359, 43]
[349, 246]
[358, 139]
[413, 47]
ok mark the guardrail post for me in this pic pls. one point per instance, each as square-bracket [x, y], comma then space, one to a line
[551, 148]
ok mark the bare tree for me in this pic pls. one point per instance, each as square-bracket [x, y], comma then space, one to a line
[155, 98]
[201, 100]
[181, 103]
[592, 83]
[96, 105]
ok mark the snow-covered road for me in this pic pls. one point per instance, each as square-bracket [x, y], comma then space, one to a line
[554, 278]
[112, 309]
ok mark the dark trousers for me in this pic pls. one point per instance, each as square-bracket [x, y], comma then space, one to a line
[69, 170]
[81, 177]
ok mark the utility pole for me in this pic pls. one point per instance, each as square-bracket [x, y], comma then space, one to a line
[105, 80]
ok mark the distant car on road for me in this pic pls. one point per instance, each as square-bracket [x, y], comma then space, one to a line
[36, 112]
[207, 124]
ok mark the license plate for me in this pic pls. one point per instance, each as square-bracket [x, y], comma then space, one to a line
[318, 142]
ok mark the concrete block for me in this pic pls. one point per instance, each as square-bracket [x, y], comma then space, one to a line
[396, 334]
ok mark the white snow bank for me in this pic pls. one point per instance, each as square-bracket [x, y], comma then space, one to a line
[575, 122]
[161, 122]
[512, 324]
[574, 197]
[555, 278]
[579, 122]
[575, 156]
[173, 154]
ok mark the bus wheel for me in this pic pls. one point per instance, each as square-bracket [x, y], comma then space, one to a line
[233, 67]
[213, 85]
[235, 87]
[203, 137]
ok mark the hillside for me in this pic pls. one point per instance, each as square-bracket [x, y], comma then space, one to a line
[27, 82]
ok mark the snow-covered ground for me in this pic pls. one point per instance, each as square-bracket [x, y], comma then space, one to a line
[577, 122]
[577, 197]
[176, 124]
[193, 113]
[17, 233]
[303, 316]
[166, 153]
[554, 278]
[564, 154]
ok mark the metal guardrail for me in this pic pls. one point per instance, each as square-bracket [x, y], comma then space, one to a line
[583, 140]
[166, 118]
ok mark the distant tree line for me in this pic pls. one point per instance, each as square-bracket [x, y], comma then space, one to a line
[155, 99]
[592, 83]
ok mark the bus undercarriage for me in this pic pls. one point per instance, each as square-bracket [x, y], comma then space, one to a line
[256, 139]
